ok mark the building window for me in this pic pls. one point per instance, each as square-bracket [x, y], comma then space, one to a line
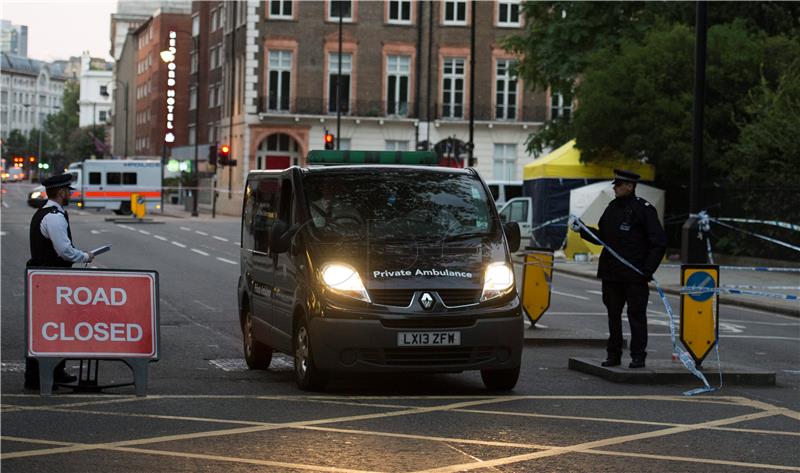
[343, 8]
[560, 106]
[280, 73]
[455, 12]
[192, 134]
[214, 20]
[505, 161]
[210, 96]
[453, 88]
[280, 9]
[192, 98]
[193, 66]
[212, 133]
[398, 69]
[334, 78]
[396, 145]
[103, 116]
[103, 92]
[400, 12]
[506, 90]
[195, 26]
[508, 13]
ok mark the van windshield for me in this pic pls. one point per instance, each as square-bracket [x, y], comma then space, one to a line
[401, 204]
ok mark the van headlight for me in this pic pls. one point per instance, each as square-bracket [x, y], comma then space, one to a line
[343, 279]
[498, 280]
[35, 195]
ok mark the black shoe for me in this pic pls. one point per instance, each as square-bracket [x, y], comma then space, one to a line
[636, 363]
[65, 378]
[32, 385]
[611, 362]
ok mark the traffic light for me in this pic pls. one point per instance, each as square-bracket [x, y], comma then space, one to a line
[32, 159]
[329, 141]
[223, 155]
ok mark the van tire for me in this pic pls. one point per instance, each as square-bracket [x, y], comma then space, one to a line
[257, 355]
[307, 375]
[124, 209]
[500, 380]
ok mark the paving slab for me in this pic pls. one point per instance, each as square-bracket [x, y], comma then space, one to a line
[669, 372]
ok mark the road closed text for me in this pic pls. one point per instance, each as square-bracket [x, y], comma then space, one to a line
[99, 331]
[111, 314]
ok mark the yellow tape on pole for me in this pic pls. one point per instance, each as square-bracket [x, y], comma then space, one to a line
[536, 279]
[699, 309]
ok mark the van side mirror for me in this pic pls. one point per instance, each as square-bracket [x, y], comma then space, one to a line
[513, 235]
[280, 237]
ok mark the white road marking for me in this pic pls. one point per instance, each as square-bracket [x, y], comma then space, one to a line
[186, 229]
[227, 260]
[199, 252]
[201, 233]
[566, 294]
[592, 291]
[95, 232]
[144, 232]
[127, 227]
[5, 233]
[178, 244]
[204, 304]
[236, 243]
[160, 237]
[220, 238]
[5, 204]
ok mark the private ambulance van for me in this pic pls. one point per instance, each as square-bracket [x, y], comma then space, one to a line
[378, 262]
[109, 183]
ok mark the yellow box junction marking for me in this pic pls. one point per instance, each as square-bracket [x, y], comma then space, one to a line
[699, 310]
[536, 279]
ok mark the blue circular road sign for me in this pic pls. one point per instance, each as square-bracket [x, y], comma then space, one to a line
[704, 280]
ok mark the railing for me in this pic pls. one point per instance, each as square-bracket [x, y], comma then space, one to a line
[380, 108]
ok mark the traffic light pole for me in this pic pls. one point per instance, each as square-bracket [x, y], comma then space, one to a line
[339, 84]
[470, 158]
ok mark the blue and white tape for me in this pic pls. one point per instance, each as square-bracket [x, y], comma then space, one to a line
[683, 355]
[757, 235]
[743, 292]
[774, 223]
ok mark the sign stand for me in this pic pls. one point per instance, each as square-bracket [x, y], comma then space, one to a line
[91, 315]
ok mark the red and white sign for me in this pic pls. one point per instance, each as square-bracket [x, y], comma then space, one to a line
[92, 313]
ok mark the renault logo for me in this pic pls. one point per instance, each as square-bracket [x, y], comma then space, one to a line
[426, 300]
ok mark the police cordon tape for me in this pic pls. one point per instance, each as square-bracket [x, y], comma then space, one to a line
[683, 355]
[704, 220]
[774, 223]
[730, 290]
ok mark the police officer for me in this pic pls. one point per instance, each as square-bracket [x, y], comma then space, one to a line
[630, 227]
[51, 246]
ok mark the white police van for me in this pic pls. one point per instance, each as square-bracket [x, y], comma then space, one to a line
[378, 262]
[109, 183]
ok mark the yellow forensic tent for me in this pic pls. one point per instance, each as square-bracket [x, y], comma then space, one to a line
[565, 163]
[549, 179]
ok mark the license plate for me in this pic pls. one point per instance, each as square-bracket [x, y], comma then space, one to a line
[428, 339]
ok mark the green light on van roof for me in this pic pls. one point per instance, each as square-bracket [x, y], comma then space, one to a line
[327, 157]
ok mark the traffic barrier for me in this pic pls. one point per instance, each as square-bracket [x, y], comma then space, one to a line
[91, 314]
[537, 279]
[685, 358]
[699, 321]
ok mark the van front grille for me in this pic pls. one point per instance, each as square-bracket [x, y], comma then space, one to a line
[427, 356]
[456, 297]
[392, 297]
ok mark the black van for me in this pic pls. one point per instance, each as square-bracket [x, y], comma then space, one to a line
[378, 268]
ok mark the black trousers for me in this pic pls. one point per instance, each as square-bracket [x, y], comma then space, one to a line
[635, 295]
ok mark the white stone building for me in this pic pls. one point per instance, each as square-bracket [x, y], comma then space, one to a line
[96, 87]
[30, 91]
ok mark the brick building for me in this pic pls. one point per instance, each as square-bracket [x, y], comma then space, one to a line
[267, 77]
[151, 83]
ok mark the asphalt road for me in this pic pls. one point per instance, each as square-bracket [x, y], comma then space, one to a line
[205, 412]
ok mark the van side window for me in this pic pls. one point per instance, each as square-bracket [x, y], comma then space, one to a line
[495, 190]
[518, 211]
[113, 178]
[287, 202]
[129, 178]
[260, 212]
[94, 178]
[513, 191]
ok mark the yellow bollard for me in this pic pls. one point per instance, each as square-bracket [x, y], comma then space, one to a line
[699, 310]
[536, 279]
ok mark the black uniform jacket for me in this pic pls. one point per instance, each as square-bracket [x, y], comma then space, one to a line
[630, 227]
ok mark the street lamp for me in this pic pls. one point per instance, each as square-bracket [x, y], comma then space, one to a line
[125, 107]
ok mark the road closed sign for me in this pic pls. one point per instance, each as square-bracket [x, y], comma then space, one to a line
[92, 313]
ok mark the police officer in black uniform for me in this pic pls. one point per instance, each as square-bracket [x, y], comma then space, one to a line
[51, 246]
[630, 227]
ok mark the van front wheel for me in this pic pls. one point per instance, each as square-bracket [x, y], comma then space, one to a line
[308, 376]
[257, 355]
[500, 380]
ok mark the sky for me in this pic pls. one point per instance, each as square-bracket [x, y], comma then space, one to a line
[60, 29]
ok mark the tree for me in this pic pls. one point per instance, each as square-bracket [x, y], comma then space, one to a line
[61, 125]
[15, 145]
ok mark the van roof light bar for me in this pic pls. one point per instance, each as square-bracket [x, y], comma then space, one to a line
[333, 158]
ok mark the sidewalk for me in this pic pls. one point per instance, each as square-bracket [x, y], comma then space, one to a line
[669, 277]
